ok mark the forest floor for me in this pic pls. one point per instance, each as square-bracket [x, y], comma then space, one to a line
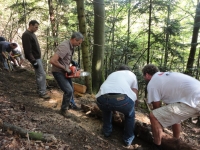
[21, 107]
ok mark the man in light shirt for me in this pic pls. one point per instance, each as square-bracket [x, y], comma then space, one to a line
[180, 92]
[119, 93]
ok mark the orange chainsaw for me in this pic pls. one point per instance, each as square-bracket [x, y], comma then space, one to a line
[76, 73]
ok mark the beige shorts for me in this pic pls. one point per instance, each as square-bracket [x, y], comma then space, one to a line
[175, 113]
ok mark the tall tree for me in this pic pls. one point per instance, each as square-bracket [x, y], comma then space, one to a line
[24, 8]
[98, 48]
[54, 24]
[128, 33]
[84, 45]
[167, 37]
[194, 41]
[149, 32]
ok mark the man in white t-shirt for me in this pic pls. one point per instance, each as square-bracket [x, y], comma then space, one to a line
[180, 92]
[119, 93]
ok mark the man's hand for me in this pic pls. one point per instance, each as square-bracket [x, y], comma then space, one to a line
[35, 64]
[137, 103]
[68, 71]
[74, 63]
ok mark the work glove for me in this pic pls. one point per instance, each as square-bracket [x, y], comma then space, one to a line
[35, 64]
[68, 71]
[74, 63]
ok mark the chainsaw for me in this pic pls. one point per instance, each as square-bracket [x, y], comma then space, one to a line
[76, 73]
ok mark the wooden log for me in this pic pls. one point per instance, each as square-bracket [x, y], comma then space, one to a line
[79, 88]
[78, 94]
[143, 130]
[24, 133]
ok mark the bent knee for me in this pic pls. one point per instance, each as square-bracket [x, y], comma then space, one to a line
[68, 91]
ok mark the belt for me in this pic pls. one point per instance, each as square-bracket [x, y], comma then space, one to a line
[118, 96]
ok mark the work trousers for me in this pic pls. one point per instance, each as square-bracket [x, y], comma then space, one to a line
[66, 86]
[40, 78]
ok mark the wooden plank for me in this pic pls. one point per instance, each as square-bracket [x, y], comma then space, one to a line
[79, 88]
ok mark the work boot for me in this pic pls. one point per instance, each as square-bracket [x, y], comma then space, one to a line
[45, 96]
[73, 106]
[129, 147]
[155, 147]
[65, 113]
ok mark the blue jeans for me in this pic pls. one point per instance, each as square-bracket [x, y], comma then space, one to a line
[40, 76]
[125, 106]
[66, 86]
[4, 62]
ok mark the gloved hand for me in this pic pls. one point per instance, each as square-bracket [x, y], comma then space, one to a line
[35, 64]
[68, 71]
[74, 63]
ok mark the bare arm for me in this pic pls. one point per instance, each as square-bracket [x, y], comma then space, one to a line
[156, 104]
[54, 61]
[136, 92]
[3, 53]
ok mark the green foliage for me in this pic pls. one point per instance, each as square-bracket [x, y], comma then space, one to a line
[124, 43]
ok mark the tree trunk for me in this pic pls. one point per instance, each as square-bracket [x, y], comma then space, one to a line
[53, 22]
[167, 38]
[98, 48]
[27, 134]
[149, 32]
[84, 45]
[126, 50]
[112, 53]
[194, 42]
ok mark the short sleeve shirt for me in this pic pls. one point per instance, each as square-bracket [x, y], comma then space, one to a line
[5, 46]
[172, 87]
[122, 81]
[65, 52]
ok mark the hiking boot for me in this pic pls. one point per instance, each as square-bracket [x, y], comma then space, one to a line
[106, 135]
[65, 113]
[155, 147]
[129, 147]
[73, 106]
[45, 96]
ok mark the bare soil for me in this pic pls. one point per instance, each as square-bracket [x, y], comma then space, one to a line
[21, 106]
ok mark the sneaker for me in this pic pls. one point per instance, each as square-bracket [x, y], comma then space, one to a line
[65, 113]
[45, 96]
